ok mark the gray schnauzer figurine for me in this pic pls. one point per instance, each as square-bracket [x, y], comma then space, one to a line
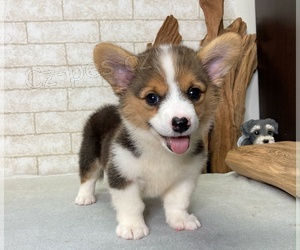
[258, 132]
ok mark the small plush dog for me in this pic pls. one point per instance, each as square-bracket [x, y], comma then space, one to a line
[154, 142]
[258, 132]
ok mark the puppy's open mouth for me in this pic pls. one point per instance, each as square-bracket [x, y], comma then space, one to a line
[178, 145]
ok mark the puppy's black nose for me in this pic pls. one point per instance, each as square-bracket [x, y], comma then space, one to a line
[265, 141]
[180, 125]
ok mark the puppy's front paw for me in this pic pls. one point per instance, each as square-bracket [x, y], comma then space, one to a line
[183, 221]
[85, 200]
[132, 232]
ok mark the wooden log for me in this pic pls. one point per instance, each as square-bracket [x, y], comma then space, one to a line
[274, 164]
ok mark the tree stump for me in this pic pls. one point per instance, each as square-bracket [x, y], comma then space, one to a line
[274, 164]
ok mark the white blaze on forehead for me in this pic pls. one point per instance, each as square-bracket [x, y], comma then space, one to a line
[167, 64]
[270, 127]
[174, 96]
[255, 127]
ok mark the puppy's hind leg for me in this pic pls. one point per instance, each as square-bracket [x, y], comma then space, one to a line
[86, 194]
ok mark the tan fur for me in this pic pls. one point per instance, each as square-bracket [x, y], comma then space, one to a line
[137, 111]
[187, 79]
[134, 105]
[156, 85]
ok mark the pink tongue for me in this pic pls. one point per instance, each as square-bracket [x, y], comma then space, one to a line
[178, 145]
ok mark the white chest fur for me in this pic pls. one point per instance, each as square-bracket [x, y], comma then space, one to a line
[156, 169]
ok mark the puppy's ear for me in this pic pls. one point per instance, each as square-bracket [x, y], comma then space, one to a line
[246, 127]
[115, 65]
[274, 124]
[220, 55]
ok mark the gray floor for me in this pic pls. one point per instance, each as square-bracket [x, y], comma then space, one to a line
[235, 213]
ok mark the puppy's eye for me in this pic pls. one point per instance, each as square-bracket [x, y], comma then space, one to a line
[152, 99]
[256, 132]
[194, 93]
[270, 132]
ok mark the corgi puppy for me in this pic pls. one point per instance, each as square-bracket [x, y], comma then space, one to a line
[154, 142]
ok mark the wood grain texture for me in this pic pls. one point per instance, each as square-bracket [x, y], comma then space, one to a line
[213, 11]
[168, 33]
[274, 164]
[230, 113]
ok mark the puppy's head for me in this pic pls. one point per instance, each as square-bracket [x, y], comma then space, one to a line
[260, 131]
[171, 91]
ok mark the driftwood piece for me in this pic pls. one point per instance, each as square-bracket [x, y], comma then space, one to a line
[244, 71]
[238, 26]
[230, 113]
[274, 164]
[213, 12]
[168, 33]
